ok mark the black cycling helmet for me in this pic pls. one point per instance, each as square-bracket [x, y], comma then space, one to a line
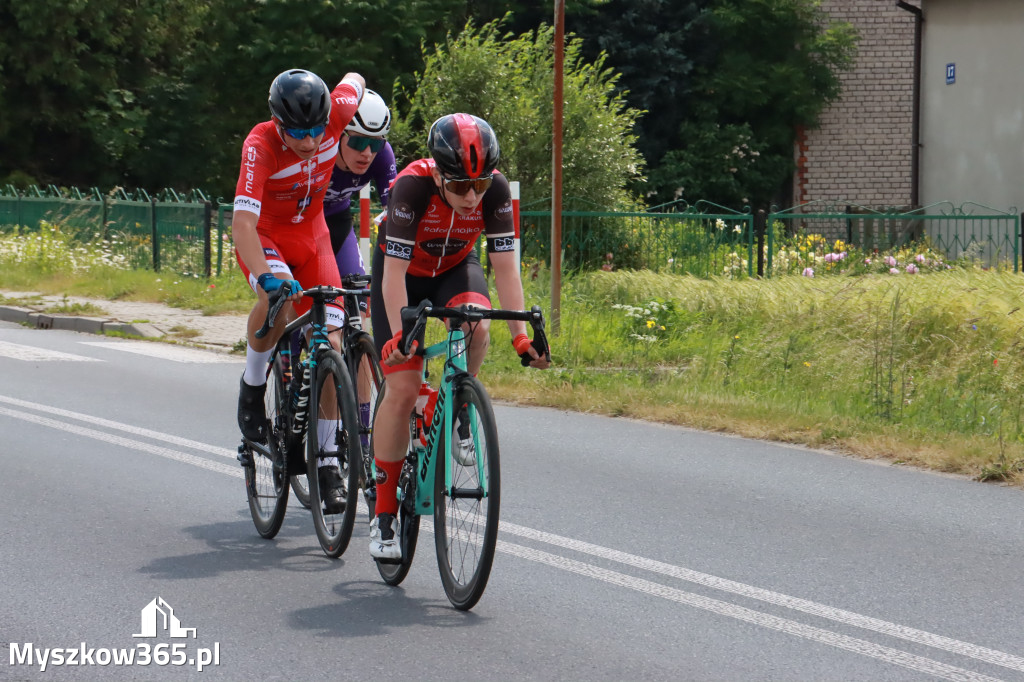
[299, 99]
[463, 146]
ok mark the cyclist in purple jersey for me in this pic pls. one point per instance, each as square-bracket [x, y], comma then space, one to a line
[363, 156]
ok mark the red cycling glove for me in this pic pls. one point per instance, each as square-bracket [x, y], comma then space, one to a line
[522, 344]
[391, 345]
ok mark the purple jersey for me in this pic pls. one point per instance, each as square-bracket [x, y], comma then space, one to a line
[345, 184]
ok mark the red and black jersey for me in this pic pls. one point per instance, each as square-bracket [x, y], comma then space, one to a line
[422, 229]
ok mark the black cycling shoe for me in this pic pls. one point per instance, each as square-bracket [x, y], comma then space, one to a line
[252, 414]
[332, 489]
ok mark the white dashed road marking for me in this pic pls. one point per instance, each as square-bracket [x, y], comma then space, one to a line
[17, 351]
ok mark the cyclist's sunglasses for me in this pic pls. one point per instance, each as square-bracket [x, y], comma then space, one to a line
[361, 143]
[460, 186]
[301, 133]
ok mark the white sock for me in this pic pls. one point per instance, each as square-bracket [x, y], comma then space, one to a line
[255, 373]
[325, 430]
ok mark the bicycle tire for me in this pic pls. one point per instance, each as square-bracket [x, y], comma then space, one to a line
[266, 480]
[333, 530]
[300, 488]
[466, 522]
[409, 529]
[299, 483]
[362, 352]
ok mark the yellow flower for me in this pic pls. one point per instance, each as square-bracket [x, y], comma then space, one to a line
[650, 323]
[807, 364]
[736, 337]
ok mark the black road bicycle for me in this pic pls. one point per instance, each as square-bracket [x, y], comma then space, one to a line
[363, 362]
[300, 393]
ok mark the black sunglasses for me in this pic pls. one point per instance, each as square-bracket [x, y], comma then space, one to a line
[361, 143]
[460, 186]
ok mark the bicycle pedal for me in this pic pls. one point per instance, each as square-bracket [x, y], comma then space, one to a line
[244, 455]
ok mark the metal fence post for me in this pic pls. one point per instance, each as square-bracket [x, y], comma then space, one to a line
[207, 231]
[156, 237]
[759, 223]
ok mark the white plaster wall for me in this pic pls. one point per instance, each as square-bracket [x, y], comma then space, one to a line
[972, 131]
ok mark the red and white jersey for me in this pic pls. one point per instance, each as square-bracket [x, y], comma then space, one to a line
[278, 186]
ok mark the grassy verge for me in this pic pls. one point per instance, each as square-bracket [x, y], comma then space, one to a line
[918, 369]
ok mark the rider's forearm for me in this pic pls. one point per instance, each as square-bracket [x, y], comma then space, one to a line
[510, 288]
[247, 241]
[394, 292]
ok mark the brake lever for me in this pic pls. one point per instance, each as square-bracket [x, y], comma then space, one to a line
[277, 301]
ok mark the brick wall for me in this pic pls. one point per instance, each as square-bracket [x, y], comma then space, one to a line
[861, 152]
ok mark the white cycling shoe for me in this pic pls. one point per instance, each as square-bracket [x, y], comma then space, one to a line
[384, 531]
[464, 452]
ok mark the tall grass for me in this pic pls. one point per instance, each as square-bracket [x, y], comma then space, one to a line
[920, 369]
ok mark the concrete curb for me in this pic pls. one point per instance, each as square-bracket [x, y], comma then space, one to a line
[88, 325]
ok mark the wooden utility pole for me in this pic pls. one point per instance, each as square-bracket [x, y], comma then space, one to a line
[556, 173]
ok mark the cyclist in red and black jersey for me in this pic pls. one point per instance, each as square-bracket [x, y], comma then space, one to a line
[280, 234]
[437, 210]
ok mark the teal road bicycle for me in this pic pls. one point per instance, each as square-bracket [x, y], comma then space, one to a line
[452, 469]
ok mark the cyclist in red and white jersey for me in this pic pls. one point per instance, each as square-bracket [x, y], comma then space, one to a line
[437, 210]
[280, 234]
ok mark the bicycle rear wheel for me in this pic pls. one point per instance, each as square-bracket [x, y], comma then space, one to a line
[266, 479]
[333, 530]
[409, 527]
[466, 515]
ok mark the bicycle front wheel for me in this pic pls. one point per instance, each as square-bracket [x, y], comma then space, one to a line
[266, 479]
[466, 513]
[366, 373]
[332, 434]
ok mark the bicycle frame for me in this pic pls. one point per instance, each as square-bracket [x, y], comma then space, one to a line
[454, 351]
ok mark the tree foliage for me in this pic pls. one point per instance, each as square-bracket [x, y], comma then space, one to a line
[775, 66]
[704, 94]
[509, 81]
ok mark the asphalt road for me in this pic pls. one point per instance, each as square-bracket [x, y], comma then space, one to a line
[628, 550]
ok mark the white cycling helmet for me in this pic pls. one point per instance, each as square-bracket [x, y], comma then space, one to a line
[372, 119]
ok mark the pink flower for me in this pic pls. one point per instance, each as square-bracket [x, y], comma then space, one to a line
[912, 269]
[842, 255]
[867, 261]
[893, 271]
[831, 258]
[919, 258]
[890, 261]
[808, 272]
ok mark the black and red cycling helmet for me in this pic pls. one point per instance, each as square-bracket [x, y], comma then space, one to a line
[463, 146]
[299, 99]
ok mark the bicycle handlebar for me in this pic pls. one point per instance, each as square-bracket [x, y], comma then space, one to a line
[415, 319]
[321, 293]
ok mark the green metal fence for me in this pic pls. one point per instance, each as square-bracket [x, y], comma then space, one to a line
[702, 239]
[179, 233]
[168, 232]
[970, 231]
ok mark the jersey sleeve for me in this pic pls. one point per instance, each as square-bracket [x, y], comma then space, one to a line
[408, 201]
[497, 214]
[252, 176]
[384, 171]
[345, 101]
